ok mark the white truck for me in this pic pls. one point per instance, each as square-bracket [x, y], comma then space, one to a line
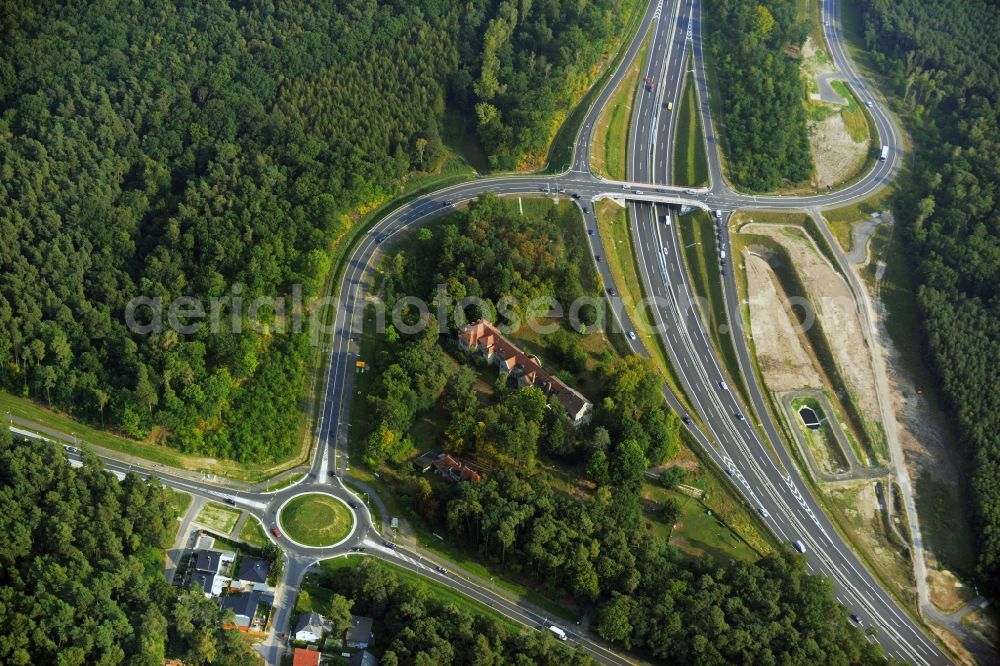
[884, 154]
[557, 632]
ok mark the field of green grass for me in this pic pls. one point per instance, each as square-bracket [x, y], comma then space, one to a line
[316, 520]
[698, 531]
[690, 161]
[218, 518]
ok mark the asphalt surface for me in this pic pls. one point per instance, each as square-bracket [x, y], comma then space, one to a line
[734, 444]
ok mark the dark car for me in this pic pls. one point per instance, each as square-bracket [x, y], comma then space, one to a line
[856, 618]
[230, 501]
[575, 195]
[597, 257]
[686, 420]
[352, 504]
[390, 545]
[441, 570]
[612, 292]
[586, 210]
[332, 473]
[379, 238]
[591, 232]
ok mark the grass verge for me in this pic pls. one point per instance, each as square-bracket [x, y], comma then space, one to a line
[701, 258]
[252, 533]
[612, 224]
[316, 520]
[182, 502]
[690, 160]
[608, 149]
[842, 220]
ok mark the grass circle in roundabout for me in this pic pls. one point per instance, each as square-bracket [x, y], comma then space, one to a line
[316, 520]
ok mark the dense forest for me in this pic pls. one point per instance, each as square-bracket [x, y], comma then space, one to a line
[81, 570]
[588, 546]
[761, 91]
[217, 150]
[415, 627]
[942, 61]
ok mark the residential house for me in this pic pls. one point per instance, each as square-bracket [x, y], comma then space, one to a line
[253, 572]
[310, 628]
[302, 657]
[484, 338]
[210, 570]
[246, 608]
[359, 633]
[454, 470]
[362, 658]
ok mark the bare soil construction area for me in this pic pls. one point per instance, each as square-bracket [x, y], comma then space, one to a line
[781, 354]
[834, 307]
[836, 155]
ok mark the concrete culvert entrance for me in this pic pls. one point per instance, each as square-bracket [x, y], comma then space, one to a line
[809, 418]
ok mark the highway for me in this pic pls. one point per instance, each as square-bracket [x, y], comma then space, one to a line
[773, 487]
[737, 446]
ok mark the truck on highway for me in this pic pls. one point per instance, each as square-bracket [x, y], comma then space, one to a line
[557, 632]
[884, 154]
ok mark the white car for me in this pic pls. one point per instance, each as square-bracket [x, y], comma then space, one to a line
[763, 512]
[871, 104]
[631, 335]
[799, 546]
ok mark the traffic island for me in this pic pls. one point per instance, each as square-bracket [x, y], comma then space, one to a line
[316, 520]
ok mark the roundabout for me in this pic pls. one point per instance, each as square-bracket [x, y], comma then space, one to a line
[316, 520]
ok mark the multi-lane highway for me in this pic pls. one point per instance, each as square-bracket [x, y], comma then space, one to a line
[773, 487]
[764, 474]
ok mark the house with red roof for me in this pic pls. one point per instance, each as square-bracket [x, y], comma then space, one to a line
[484, 338]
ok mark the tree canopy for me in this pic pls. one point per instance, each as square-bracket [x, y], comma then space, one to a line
[219, 149]
[81, 569]
[761, 91]
[942, 62]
